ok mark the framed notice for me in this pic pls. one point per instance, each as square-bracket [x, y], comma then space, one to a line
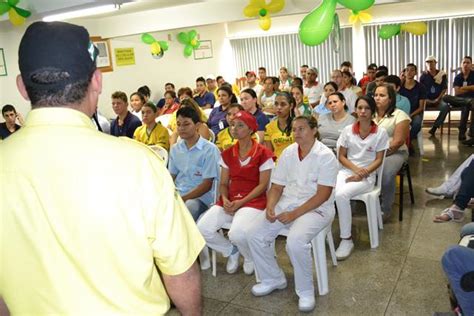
[104, 59]
[3, 64]
[124, 56]
[204, 51]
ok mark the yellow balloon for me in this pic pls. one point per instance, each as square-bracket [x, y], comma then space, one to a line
[416, 28]
[15, 18]
[155, 48]
[265, 23]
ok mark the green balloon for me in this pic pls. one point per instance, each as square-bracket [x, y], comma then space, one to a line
[147, 38]
[357, 5]
[316, 26]
[390, 30]
[163, 45]
[192, 34]
[183, 38]
[188, 50]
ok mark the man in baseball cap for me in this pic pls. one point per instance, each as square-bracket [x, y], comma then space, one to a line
[84, 233]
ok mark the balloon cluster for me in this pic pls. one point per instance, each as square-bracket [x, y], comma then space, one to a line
[260, 8]
[391, 30]
[17, 15]
[190, 42]
[318, 24]
[157, 48]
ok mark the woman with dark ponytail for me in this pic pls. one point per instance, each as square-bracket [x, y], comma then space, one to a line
[278, 133]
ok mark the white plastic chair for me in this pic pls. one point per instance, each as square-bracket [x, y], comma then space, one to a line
[212, 138]
[419, 140]
[372, 205]
[319, 255]
[163, 153]
[164, 119]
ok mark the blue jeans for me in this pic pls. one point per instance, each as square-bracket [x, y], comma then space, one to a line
[466, 105]
[416, 122]
[458, 264]
[466, 190]
[196, 207]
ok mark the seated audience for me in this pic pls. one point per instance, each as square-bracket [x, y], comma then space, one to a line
[458, 264]
[402, 102]
[212, 85]
[436, 84]
[301, 107]
[225, 139]
[278, 134]
[203, 129]
[170, 105]
[301, 200]
[347, 66]
[464, 98]
[323, 107]
[397, 125]
[185, 93]
[217, 121]
[285, 79]
[450, 187]
[246, 169]
[194, 164]
[146, 92]
[416, 93]
[252, 82]
[267, 97]
[168, 87]
[204, 98]
[369, 77]
[332, 124]
[380, 75]
[466, 191]
[348, 82]
[125, 123]
[361, 149]
[151, 132]
[11, 116]
[313, 89]
[248, 99]
[262, 74]
[137, 100]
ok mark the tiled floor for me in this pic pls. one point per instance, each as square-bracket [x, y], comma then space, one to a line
[401, 277]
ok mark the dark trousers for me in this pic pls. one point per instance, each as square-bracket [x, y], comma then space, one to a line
[466, 191]
[466, 106]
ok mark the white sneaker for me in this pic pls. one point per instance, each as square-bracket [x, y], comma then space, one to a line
[248, 267]
[345, 248]
[233, 263]
[439, 191]
[306, 304]
[204, 259]
[262, 289]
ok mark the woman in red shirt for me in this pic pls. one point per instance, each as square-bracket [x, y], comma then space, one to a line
[246, 168]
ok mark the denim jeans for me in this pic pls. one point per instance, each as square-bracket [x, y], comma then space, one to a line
[443, 108]
[196, 207]
[416, 122]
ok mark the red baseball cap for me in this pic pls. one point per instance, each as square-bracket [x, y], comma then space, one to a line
[248, 119]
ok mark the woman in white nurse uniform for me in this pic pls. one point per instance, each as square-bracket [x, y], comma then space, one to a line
[301, 199]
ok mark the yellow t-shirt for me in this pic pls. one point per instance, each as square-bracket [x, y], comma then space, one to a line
[225, 139]
[277, 137]
[84, 218]
[158, 136]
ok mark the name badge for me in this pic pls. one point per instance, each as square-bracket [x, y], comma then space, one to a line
[221, 125]
[464, 84]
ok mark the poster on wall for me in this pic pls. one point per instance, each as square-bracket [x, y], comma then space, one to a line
[3, 64]
[204, 51]
[104, 59]
[124, 56]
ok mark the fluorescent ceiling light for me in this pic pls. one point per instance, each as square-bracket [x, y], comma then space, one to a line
[81, 13]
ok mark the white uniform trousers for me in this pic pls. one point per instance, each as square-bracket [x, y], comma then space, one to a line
[344, 192]
[262, 235]
[215, 218]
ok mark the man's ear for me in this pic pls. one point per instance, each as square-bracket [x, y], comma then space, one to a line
[21, 87]
[96, 82]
